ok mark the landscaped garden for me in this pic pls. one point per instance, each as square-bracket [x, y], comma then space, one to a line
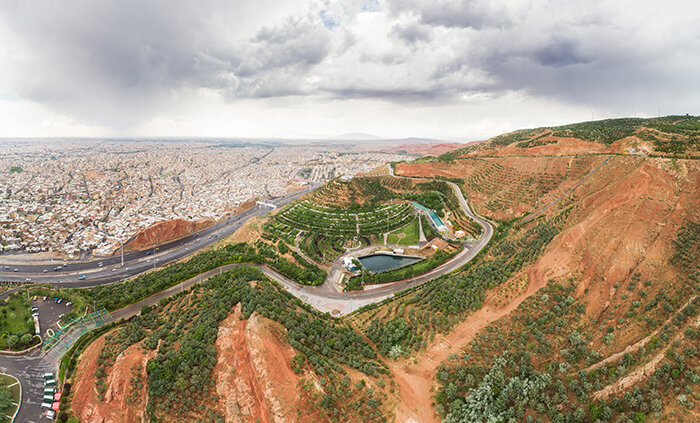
[406, 235]
[16, 323]
[366, 220]
[9, 396]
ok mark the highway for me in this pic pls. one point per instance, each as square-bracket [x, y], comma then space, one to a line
[325, 298]
[135, 262]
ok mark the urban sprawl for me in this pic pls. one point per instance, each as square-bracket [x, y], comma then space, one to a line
[80, 198]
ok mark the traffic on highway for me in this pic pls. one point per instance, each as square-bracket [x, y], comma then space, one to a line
[111, 269]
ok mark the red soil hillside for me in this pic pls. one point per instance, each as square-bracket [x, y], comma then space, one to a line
[124, 401]
[166, 231]
[254, 380]
[509, 187]
[618, 225]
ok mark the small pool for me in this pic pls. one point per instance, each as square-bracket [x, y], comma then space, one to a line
[378, 263]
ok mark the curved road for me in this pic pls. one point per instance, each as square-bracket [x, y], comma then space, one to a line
[30, 368]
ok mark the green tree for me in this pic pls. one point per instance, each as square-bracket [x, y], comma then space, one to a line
[6, 398]
[12, 341]
[26, 339]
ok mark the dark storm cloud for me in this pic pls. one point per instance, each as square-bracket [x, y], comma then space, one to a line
[128, 56]
[413, 32]
[464, 14]
[560, 52]
[119, 63]
[477, 14]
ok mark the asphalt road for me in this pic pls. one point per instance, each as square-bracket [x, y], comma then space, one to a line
[29, 368]
[135, 262]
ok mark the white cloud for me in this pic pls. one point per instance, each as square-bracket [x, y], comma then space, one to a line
[398, 68]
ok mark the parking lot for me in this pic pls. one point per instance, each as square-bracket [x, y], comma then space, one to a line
[49, 313]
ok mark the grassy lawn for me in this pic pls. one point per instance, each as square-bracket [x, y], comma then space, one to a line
[15, 318]
[407, 235]
[9, 410]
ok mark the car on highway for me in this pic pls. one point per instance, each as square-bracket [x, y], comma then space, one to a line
[114, 269]
[81, 277]
[15, 270]
[148, 253]
[45, 271]
[7, 267]
[99, 264]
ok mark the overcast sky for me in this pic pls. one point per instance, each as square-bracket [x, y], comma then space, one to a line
[459, 70]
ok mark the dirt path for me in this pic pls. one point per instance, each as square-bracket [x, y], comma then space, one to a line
[416, 381]
[637, 345]
[642, 372]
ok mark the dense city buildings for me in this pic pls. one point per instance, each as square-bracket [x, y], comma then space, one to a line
[81, 197]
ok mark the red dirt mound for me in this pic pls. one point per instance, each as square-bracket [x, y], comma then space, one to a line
[254, 379]
[166, 231]
[123, 402]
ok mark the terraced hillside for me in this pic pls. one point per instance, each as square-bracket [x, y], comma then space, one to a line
[674, 136]
[509, 187]
[370, 220]
[434, 194]
[588, 312]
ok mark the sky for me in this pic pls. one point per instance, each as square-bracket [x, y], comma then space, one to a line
[446, 69]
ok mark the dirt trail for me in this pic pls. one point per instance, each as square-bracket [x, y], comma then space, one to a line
[637, 345]
[642, 372]
[416, 380]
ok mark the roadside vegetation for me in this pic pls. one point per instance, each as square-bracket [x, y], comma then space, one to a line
[118, 295]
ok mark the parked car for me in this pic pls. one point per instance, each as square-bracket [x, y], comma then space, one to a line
[44, 298]
[69, 303]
